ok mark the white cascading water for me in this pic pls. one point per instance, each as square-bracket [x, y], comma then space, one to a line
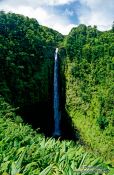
[57, 131]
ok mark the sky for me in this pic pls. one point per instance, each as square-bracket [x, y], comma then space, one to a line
[63, 15]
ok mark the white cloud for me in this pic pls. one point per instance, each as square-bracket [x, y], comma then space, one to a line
[90, 12]
[63, 28]
[68, 12]
[35, 3]
[97, 12]
[59, 2]
[44, 17]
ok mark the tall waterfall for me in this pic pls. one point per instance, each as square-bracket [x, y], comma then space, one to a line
[57, 115]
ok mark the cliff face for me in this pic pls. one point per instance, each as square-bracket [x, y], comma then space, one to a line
[89, 89]
[26, 59]
[26, 68]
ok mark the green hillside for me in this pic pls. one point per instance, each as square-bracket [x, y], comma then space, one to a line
[89, 74]
[26, 68]
[26, 59]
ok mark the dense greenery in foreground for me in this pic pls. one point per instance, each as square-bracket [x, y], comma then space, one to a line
[24, 152]
[89, 73]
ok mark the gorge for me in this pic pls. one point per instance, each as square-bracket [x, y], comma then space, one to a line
[86, 68]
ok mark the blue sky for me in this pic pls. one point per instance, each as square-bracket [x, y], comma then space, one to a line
[68, 10]
[62, 15]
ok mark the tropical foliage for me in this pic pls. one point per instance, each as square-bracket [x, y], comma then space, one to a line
[89, 73]
[24, 152]
[26, 59]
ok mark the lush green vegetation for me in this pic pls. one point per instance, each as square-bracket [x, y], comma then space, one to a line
[87, 83]
[26, 59]
[24, 152]
[89, 73]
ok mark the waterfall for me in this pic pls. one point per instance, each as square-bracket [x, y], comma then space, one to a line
[57, 115]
